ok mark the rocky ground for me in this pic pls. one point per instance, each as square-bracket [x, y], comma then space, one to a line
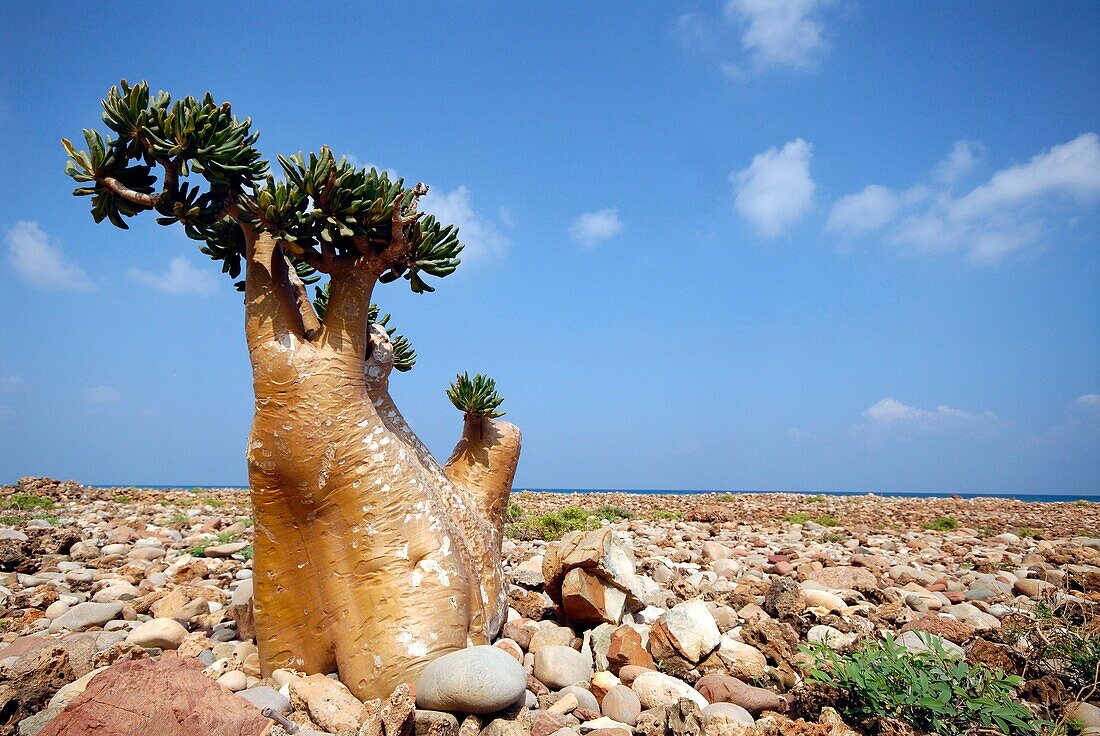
[129, 611]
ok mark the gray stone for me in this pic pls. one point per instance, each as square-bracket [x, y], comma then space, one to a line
[263, 696]
[585, 698]
[85, 616]
[32, 725]
[482, 679]
[560, 666]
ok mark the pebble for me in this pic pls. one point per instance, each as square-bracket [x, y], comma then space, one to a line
[655, 689]
[560, 666]
[160, 633]
[481, 679]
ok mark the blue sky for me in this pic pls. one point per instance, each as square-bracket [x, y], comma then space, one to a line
[810, 245]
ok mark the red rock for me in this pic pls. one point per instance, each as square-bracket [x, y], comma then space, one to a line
[951, 629]
[626, 649]
[718, 688]
[844, 577]
[170, 697]
[546, 723]
[586, 599]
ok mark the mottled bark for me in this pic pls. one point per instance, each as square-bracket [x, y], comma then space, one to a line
[370, 560]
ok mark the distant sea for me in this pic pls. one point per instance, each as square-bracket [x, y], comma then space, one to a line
[1030, 497]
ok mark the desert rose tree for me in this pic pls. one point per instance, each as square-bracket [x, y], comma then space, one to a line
[371, 557]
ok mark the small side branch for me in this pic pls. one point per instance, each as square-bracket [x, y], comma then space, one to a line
[311, 325]
[400, 246]
[139, 198]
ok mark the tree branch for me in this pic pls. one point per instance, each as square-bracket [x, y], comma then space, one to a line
[145, 200]
[311, 325]
[399, 246]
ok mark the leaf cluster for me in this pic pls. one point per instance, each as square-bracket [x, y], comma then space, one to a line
[932, 690]
[476, 397]
[323, 203]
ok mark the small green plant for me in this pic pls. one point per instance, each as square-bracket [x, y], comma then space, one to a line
[827, 520]
[215, 503]
[799, 517]
[178, 518]
[123, 499]
[942, 524]
[227, 537]
[10, 519]
[475, 397]
[1026, 532]
[515, 511]
[1080, 502]
[727, 498]
[662, 515]
[816, 498]
[25, 502]
[247, 552]
[553, 525]
[612, 513]
[933, 691]
[835, 538]
[199, 550]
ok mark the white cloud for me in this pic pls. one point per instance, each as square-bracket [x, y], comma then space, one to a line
[865, 211]
[960, 161]
[1071, 169]
[776, 190]
[1016, 207]
[595, 227]
[41, 263]
[180, 278]
[778, 33]
[892, 416]
[480, 235]
[10, 383]
[1090, 401]
[102, 395]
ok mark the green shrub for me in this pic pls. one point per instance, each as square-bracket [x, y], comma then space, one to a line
[199, 550]
[942, 524]
[612, 513]
[932, 691]
[727, 497]
[515, 511]
[178, 518]
[553, 525]
[798, 517]
[816, 498]
[1025, 532]
[662, 515]
[122, 499]
[247, 552]
[215, 503]
[227, 537]
[826, 520]
[25, 502]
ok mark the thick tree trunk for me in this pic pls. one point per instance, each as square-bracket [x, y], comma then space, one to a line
[370, 559]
